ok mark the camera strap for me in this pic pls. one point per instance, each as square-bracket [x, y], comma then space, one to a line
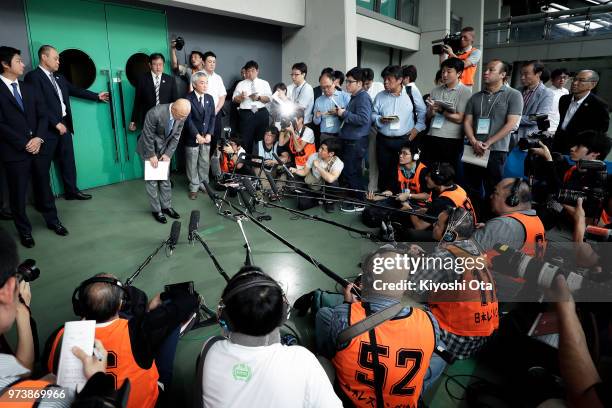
[414, 114]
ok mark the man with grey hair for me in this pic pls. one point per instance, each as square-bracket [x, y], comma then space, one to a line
[579, 111]
[197, 132]
[160, 135]
[407, 328]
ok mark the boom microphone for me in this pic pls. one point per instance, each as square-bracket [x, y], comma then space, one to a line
[272, 182]
[213, 196]
[250, 188]
[194, 221]
[174, 235]
[281, 163]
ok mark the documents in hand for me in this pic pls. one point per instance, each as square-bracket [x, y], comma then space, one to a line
[70, 370]
[158, 174]
[470, 157]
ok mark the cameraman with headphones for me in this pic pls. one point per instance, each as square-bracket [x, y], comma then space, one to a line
[133, 342]
[250, 366]
[14, 376]
[468, 316]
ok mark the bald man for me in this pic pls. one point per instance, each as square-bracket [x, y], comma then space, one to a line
[160, 135]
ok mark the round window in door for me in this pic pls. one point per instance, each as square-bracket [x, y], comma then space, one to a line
[77, 67]
[136, 65]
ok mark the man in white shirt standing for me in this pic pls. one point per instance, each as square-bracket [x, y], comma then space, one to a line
[557, 78]
[252, 94]
[250, 366]
[300, 91]
[216, 89]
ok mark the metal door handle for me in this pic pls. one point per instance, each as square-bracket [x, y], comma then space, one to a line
[109, 85]
[125, 129]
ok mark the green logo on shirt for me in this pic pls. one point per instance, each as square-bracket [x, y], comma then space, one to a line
[242, 372]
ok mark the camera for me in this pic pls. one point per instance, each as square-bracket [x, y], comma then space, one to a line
[179, 43]
[28, 271]
[224, 138]
[532, 141]
[452, 40]
[594, 194]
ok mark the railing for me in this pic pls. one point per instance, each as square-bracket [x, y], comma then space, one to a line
[564, 24]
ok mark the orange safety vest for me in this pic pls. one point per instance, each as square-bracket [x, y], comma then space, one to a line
[121, 364]
[413, 184]
[227, 165]
[467, 77]
[605, 219]
[468, 310]
[459, 197]
[535, 241]
[302, 157]
[26, 393]
[404, 346]
[568, 174]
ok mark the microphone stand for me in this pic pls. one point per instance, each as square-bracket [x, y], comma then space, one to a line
[195, 235]
[146, 262]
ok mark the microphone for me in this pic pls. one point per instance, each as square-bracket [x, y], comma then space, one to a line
[284, 166]
[194, 221]
[245, 199]
[213, 196]
[599, 234]
[174, 235]
[250, 188]
[272, 182]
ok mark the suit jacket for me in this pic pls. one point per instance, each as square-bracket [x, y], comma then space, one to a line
[201, 120]
[591, 115]
[144, 97]
[154, 139]
[17, 127]
[540, 103]
[42, 82]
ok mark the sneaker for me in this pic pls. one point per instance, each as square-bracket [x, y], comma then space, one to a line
[329, 206]
[350, 207]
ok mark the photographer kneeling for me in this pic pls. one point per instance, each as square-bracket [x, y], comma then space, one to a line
[135, 342]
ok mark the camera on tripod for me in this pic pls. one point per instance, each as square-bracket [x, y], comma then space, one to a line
[534, 139]
[595, 194]
[452, 40]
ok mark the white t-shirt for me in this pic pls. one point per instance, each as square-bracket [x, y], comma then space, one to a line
[258, 86]
[375, 89]
[308, 135]
[337, 167]
[267, 376]
[216, 89]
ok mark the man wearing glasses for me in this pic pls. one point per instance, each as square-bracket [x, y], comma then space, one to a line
[579, 111]
[300, 92]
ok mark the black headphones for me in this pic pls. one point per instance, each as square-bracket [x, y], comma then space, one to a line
[437, 177]
[78, 296]
[261, 280]
[513, 199]
[450, 234]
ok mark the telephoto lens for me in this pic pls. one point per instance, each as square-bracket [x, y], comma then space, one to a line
[28, 271]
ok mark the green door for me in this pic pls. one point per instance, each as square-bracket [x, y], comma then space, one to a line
[98, 43]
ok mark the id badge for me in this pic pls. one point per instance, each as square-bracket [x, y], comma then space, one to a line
[437, 121]
[395, 125]
[484, 125]
[329, 122]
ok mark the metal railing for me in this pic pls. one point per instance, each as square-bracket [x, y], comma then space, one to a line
[563, 24]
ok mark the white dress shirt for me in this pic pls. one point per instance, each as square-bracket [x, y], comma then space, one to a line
[303, 96]
[554, 117]
[216, 89]
[571, 110]
[57, 88]
[8, 83]
[258, 86]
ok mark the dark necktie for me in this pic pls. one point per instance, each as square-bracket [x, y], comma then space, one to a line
[156, 90]
[17, 96]
[54, 82]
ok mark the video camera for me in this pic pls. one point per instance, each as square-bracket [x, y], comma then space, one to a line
[534, 139]
[594, 194]
[452, 40]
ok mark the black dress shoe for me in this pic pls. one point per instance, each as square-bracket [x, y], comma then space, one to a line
[78, 196]
[59, 229]
[27, 240]
[159, 217]
[5, 215]
[171, 213]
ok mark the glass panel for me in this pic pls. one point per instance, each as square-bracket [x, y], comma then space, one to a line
[77, 67]
[367, 4]
[409, 11]
[136, 65]
[388, 8]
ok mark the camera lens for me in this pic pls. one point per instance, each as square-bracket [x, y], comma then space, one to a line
[28, 270]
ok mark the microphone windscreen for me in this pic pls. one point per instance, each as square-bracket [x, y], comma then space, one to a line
[209, 190]
[194, 221]
[250, 188]
[272, 182]
[174, 233]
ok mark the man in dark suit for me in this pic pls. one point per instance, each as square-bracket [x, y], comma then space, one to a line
[56, 91]
[197, 133]
[26, 147]
[152, 89]
[580, 110]
[160, 136]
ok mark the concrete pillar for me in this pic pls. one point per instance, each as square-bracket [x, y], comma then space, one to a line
[434, 22]
[328, 39]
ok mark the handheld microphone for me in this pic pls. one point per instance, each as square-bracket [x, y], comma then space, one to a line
[213, 196]
[599, 234]
[250, 188]
[272, 182]
[284, 166]
[194, 222]
[174, 235]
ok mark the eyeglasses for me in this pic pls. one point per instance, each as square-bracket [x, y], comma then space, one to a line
[350, 81]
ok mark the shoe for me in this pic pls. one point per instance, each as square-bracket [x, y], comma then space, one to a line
[171, 213]
[27, 240]
[78, 196]
[59, 229]
[329, 206]
[5, 215]
[193, 196]
[159, 217]
[350, 207]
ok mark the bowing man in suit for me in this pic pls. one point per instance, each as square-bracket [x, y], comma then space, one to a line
[160, 135]
[580, 110]
[26, 148]
[152, 89]
[56, 91]
[198, 133]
